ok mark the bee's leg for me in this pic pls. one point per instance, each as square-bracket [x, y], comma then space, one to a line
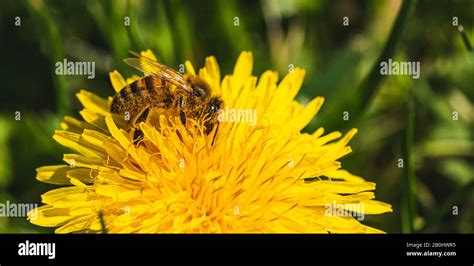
[137, 136]
[182, 115]
[215, 133]
[142, 117]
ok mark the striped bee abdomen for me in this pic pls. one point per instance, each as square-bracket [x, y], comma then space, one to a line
[142, 94]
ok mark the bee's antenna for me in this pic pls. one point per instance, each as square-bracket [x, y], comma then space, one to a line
[467, 43]
[215, 133]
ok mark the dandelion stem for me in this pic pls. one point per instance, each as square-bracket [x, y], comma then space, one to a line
[109, 18]
[183, 29]
[361, 98]
[408, 200]
[133, 32]
[372, 81]
[358, 100]
[165, 45]
[47, 25]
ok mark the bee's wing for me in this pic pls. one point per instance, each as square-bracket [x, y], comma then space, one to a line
[151, 67]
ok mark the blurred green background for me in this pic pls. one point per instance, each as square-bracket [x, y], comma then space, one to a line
[398, 117]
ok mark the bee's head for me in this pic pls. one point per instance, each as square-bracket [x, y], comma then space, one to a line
[213, 106]
[200, 87]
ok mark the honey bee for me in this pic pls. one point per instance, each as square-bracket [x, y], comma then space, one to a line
[163, 87]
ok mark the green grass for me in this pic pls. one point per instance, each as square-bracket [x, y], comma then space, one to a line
[396, 116]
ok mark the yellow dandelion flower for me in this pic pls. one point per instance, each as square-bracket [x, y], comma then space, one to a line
[265, 176]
